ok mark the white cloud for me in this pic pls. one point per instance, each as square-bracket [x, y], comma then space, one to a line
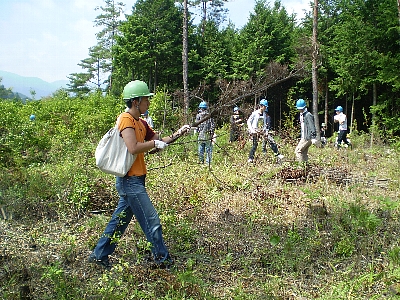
[299, 7]
[87, 4]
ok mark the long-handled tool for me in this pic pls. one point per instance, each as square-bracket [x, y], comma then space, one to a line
[193, 125]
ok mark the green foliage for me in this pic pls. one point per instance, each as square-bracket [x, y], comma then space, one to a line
[99, 63]
[345, 247]
[150, 44]
[362, 219]
[293, 239]
[394, 255]
[81, 188]
[183, 234]
[63, 284]
[4, 93]
[164, 113]
[389, 123]
[274, 240]
[358, 46]
[7, 93]
[215, 54]
[358, 49]
[78, 83]
[388, 203]
[268, 36]
[28, 148]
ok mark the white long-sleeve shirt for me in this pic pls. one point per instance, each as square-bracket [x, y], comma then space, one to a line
[342, 119]
[255, 121]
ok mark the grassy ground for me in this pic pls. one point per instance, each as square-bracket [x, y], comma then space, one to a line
[267, 230]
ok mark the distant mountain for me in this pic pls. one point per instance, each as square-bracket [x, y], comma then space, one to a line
[24, 85]
[7, 94]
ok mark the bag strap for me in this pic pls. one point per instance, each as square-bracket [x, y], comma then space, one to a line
[130, 117]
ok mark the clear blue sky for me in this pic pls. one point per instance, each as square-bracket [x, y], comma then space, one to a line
[48, 38]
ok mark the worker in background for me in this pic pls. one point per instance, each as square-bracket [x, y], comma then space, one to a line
[257, 126]
[205, 131]
[236, 121]
[341, 118]
[308, 132]
[148, 119]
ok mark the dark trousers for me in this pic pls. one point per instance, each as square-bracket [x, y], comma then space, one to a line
[254, 148]
[342, 137]
[234, 136]
[270, 140]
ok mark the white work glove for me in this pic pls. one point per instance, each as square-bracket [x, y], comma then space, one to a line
[183, 129]
[214, 139]
[313, 141]
[160, 144]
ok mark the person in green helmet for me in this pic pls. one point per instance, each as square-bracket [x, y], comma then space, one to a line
[134, 200]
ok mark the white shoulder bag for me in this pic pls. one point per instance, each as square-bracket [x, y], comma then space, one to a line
[112, 155]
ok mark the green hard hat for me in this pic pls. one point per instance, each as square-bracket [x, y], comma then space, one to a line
[136, 88]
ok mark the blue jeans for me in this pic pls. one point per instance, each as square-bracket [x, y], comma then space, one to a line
[270, 140]
[133, 201]
[205, 147]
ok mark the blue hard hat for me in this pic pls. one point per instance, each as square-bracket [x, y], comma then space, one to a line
[301, 104]
[203, 104]
[32, 117]
[264, 102]
[235, 108]
[339, 108]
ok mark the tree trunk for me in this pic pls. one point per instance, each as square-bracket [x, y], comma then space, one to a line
[398, 8]
[326, 107]
[155, 76]
[204, 18]
[185, 62]
[374, 96]
[114, 28]
[98, 74]
[315, 69]
[352, 114]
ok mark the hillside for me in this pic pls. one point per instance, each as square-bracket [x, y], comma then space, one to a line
[24, 85]
[7, 94]
[236, 230]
